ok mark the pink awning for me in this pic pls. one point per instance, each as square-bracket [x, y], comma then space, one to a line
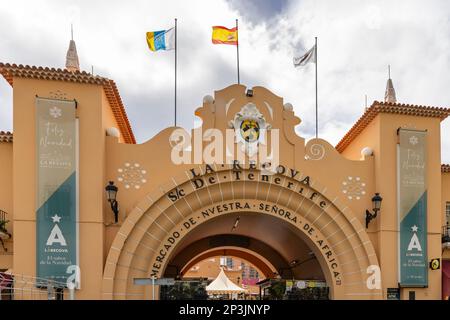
[250, 281]
[5, 280]
[445, 280]
[446, 268]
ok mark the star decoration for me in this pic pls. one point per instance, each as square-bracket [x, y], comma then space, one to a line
[56, 218]
[132, 175]
[353, 188]
[414, 228]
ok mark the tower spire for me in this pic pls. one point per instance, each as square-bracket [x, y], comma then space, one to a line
[72, 63]
[389, 95]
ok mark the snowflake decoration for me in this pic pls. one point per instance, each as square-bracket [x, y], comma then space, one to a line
[55, 112]
[353, 188]
[413, 140]
[132, 175]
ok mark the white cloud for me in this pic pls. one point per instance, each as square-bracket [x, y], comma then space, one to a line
[356, 42]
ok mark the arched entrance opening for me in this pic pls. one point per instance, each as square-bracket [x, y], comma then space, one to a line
[270, 244]
[241, 266]
[155, 230]
[264, 267]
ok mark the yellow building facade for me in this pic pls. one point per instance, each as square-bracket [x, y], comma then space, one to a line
[184, 197]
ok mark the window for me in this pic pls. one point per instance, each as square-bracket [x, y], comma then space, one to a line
[253, 273]
[229, 263]
[248, 272]
[244, 271]
[226, 262]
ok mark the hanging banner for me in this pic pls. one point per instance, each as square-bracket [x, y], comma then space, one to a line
[56, 215]
[412, 208]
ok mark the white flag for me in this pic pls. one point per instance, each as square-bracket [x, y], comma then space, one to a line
[169, 39]
[309, 56]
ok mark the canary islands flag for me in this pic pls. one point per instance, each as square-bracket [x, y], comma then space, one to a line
[222, 35]
[161, 40]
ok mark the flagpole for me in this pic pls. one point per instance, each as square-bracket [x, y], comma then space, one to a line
[175, 72]
[317, 116]
[237, 50]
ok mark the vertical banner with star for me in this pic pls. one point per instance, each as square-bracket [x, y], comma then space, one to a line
[56, 207]
[412, 208]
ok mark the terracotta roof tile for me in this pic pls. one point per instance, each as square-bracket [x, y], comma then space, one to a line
[9, 71]
[445, 168]
[388, 107]
[6, 136]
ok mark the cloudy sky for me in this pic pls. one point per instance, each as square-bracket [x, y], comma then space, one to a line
[357, 40]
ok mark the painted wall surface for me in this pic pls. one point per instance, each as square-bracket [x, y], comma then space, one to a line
[381, 136]
[292, 149]
[110, 255]
[369, 137]
[388, 187]
[92, 120]
[333, 174]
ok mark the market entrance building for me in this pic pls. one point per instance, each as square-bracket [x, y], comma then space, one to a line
[243, 182]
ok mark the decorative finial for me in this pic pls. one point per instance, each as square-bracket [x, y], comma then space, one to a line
[72, 63]
[389, 95]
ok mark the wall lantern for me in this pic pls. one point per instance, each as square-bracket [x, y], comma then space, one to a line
[376, 204]
[111, 194]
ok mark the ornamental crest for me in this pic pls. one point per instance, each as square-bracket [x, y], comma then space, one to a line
[249, 127]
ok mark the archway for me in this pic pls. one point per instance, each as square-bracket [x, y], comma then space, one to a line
[259, 262]
[145, 242]
[282, 257]
[263, 237]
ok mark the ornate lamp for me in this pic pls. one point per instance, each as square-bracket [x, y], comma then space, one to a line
[111, 194]
[376, 205]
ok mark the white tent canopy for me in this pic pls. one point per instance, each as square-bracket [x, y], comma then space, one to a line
[223, 285]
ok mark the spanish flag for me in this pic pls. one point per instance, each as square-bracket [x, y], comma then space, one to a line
[222, 35]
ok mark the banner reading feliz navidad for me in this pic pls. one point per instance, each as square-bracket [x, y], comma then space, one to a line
[56, 215]
[412, 208]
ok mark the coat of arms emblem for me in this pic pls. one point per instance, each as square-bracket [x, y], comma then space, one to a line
[250, 127]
